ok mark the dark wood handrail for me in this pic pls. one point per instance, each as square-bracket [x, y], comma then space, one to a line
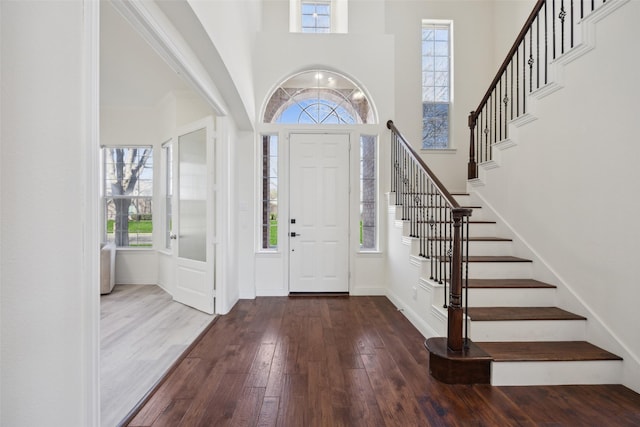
[523, 32]
[436, 182]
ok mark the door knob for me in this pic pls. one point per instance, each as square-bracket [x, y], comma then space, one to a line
[293, 234]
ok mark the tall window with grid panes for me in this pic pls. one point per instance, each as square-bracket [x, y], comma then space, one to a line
[436, 83]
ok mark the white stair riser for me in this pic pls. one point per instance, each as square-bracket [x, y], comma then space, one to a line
[488, 270]
[482, 248]
[500, 270]
[512, 297]
[528, 330]
[556, 373]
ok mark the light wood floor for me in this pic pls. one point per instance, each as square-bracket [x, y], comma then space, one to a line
[356, 361]
[143, 332]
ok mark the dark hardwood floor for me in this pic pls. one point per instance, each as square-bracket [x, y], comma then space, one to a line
[349, 361]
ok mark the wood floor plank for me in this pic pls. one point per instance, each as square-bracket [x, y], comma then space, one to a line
[351, 362]
[268, 416]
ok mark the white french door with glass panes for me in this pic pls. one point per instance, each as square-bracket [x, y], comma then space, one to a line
[193, 216]
[319, 212]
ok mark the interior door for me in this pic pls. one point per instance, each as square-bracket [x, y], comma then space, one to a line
[319, 213]
[193, 217]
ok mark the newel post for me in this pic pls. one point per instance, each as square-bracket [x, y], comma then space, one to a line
[472, 170]
[454, 326]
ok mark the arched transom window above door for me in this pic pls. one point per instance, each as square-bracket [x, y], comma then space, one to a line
[318, 97]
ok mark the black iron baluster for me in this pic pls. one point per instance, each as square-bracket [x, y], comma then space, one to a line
[505, 100]
[531, 61]
[571, 23]
[499, 103]
[562, 15]
[432, 227]
[440, 237]
[553, 26]
[538, 51]
[465, 261]
[518, 83]
[411, 200]
[511, 86]
[494, 129]
[546, 43]
[524, 76]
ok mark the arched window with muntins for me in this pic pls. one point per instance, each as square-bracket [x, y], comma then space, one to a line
[318, 97]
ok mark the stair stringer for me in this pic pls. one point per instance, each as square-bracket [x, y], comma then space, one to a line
[596, 330]
[421, 301]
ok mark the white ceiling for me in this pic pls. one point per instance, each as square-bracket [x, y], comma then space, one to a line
[131, 73]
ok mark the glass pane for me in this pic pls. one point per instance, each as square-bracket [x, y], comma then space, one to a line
[128, 171]
[441, 63]
[428, 63]
[441, 48]
[442, 34]
[193, 196]
[323, 22]
[322, 9]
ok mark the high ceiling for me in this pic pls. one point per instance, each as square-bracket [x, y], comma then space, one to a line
[131, 73]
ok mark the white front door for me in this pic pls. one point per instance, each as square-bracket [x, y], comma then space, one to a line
[319, 213]
[193, 217]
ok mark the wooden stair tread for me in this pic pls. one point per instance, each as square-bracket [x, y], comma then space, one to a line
[451, 222]
[488, 258]
[489, 314]
[477, 239]
[507, 283]
[539, 351]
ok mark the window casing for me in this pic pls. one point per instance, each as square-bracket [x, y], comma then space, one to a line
[128, 196]
[437, 85]
[269, 233]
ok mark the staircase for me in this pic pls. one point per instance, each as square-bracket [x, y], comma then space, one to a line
[518, 336]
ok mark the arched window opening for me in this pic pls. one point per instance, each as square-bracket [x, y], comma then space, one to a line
[318, 97]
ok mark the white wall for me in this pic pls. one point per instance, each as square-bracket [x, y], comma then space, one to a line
[473, 35]
[46, 345]
[509, 17]
[232, 27]
[569, 187]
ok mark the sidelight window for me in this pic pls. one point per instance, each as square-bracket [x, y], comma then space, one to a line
[269, 191]
[368, 192]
